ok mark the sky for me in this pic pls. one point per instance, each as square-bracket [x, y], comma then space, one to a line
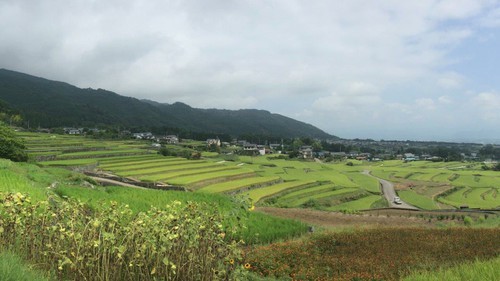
[393, 70]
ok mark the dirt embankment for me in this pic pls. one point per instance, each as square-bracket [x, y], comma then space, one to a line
[340, 220]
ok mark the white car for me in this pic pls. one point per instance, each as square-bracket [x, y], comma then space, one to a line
[397, 200]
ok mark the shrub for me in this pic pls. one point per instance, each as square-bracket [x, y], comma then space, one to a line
[468, 221]
[183, 242]
[11, 146]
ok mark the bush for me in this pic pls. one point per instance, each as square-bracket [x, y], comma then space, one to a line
[11, 146]
[468, 221]
[186, 242]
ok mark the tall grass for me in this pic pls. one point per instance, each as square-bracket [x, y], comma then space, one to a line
[13, 268]
[473, 271]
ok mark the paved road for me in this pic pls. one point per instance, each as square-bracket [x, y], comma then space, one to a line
[390, 193]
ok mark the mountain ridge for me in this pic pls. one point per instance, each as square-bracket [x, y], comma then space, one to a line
[49, 103]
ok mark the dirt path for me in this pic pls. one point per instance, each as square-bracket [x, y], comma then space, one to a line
[338, 220]
[113, 182]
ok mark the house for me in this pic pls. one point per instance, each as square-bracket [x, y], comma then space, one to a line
[143, 136]
[410, 157]
[171, 139]
[306, 152]
[275, 146]
[249, 146]
[215, 142]
[262, 149]
[73, 131]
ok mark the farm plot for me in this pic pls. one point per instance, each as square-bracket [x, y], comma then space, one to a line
[365, 182]
[260, 193]
[474, 198]
[358, 204]
[198, 181]
[164, 169]
[100, 153]
[239, 184]
[327, 197]
[100, 161]
[294, 195]
[140, 161]
[69, 162]
[124, 159]
[418, 200]
[189, 172]
[132, 166]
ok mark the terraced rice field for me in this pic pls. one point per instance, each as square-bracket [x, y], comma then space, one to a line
[259, 193]
[474, 198]
[327, 193]
[478, 188]
[274, 181]
[417, 200]
[254, 182]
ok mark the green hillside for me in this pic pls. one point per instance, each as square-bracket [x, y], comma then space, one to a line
[49, 103]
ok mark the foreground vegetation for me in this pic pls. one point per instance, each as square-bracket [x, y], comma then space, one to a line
[112, 243]
[477, 270]
[378, 254]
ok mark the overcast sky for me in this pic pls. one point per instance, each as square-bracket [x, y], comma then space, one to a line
[418, 70]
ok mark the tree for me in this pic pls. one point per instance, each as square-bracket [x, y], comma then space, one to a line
[11, 146]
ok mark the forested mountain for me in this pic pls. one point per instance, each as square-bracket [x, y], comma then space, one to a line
[47, 103]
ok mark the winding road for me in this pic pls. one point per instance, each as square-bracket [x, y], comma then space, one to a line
[390, 193]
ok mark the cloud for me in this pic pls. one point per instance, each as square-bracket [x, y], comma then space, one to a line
[425, 103]
[444, 100]
[451, 80]
[491, 19]
[354, 97]
[488, 104]
[319, 57]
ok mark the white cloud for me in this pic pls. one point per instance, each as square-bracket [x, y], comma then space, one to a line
[425, 103]
[445, 100]
[492, 18]
[451, 80]
[488, 104]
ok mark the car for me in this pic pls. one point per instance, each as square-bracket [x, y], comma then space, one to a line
[397, 200]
